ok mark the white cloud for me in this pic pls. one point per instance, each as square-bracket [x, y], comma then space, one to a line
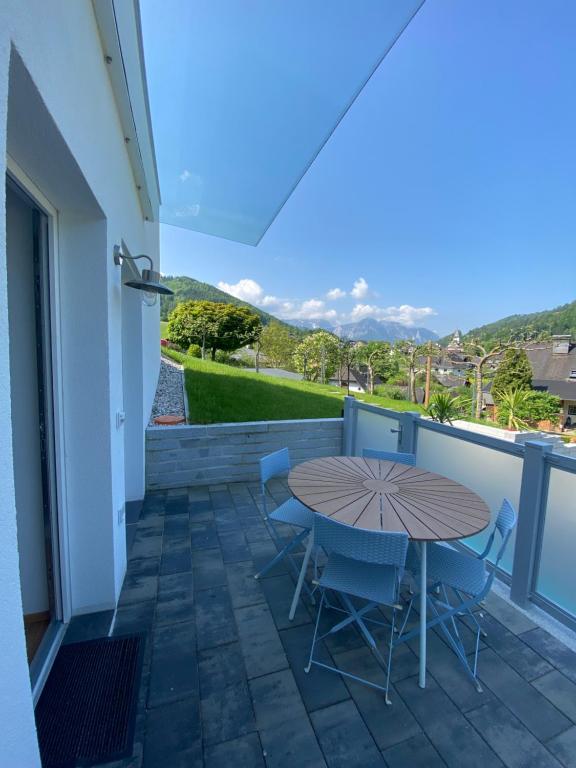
[270, 301]
[404, 314]
[185, 175]
[245, 289]
[335, 293]
[359, 289]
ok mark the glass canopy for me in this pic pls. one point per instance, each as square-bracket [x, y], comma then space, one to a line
[244, 94]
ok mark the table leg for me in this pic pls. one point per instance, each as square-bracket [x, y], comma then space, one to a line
[302, 575]
[423, 594]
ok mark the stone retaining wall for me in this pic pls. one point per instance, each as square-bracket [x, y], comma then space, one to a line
[214, 453]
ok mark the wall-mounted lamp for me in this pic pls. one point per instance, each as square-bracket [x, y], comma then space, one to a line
[149, 280]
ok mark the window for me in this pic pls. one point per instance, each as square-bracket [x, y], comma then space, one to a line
[573, 374]
[572, 410]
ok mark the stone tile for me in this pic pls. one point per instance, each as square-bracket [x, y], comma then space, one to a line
[176, 505]
[521, 698]
[344, 738]
[564, 747]
[245, 752]
[221, 500]
[262, 553]
[143, 566]
[560, 691]
[175, 598]
[290, 744]
[261, 646]
[220, 667]
[173, 736]
[508, 615]
[227, 520]
[203, 535]
[457, 742]
[513, 650]
[197, 506]
[88, 626]
[319, 687]
[177, 526]
[177, 561]
[344, 640]
[416, 752]
[388, 724]
[279, 591]
[137, 617]
[244, 588]
[214, 618]
[276, 699]
[554, 651]
[443, 663]
[146, 545]
[138, 589]
[227, 714]
[208, 569]
[174, 672]
[234, 547]
[511, 741]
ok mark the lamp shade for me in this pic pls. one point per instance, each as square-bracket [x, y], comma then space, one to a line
[149, 282]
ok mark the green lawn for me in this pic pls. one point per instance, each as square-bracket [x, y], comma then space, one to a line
[163, 328]
[220, 393]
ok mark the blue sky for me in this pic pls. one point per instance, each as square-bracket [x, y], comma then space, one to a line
[447, 195]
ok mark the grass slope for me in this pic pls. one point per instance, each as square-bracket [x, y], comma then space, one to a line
[219, 393]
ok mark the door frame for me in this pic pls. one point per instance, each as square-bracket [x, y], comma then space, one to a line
[56, 457]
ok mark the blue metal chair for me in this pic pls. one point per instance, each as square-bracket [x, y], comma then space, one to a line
[367, 565]
[291, 512]
[402, 458]
[469, 580]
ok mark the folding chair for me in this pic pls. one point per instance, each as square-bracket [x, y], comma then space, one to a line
[291, 512]
[402, 458]
[469, 580]
[361, 564]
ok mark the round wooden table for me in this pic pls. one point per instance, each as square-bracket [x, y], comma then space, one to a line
[388, 496]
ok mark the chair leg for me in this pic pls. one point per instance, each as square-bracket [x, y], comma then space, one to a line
[307, 667]
[283, 553]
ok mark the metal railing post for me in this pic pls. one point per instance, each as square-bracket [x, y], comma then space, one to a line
[408, 431]
[350, 421]
[533, 492]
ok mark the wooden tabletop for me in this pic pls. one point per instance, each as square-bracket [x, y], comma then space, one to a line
[389, 496]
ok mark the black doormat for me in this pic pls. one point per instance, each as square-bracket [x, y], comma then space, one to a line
[87, 711]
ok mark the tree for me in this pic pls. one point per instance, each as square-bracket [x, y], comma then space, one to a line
[213, 326]
[380, 360]
[409, 352]
[511, 405]
[277, 345]
[513, 371]
[479, 355]
[316, 357]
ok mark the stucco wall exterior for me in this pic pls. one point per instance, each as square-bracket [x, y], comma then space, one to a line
[59, 123]
[227, 453]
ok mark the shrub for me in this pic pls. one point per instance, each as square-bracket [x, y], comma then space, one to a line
[394, 393]
[444, 408]
[194, 350]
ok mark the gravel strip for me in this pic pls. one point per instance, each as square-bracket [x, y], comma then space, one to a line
[169, 398]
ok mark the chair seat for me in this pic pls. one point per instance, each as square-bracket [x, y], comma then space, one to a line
[293, 512]
[354, 577]
[456, 569]
[413, 558]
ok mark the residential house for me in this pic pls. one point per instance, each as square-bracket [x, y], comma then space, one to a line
[554, 371]
[79, 355]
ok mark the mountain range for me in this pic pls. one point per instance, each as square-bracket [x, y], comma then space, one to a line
[551, 321]
[370, 329]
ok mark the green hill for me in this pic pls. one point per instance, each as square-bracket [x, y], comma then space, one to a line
[551, 321]
[186, 288]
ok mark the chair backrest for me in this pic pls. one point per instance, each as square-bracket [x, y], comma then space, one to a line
[402, 458]
[272, 465]
[381, 547]
[504, 524]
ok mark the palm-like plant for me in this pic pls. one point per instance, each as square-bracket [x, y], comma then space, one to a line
[444, 408]
[511, 401]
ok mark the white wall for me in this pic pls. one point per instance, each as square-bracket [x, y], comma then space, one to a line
[59, 122]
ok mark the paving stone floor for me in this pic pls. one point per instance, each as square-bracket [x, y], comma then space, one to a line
[224, 683]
